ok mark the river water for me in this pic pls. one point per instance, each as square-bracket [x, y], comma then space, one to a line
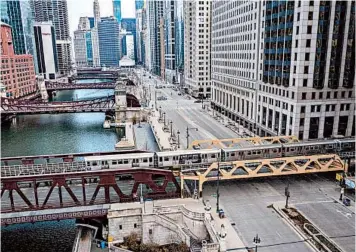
[55, 134]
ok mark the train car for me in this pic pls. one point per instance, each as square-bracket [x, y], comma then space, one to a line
[252, 152]
[174, 158]
[120, 161]
[309, 148]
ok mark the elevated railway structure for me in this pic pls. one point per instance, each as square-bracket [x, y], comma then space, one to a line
[57, 86]
[262, 168]
[8, 106]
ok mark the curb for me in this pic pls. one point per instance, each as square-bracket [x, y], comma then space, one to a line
[292, 225]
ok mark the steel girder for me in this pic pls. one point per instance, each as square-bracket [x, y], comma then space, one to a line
[224, 143]
[264, 168]
[50, 86]
[106, 179]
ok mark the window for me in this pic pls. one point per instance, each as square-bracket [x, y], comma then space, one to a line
[298, 16]
[327, 108]
[304, 96]
[297, 32]
[135, 225]
[321, 95]
[150, 231]
[305, 82]
[306, 69]
[335, 95]
[307, 55]
[301, 123]
[296, 43]
[311, 3]
[309, 29]
[328, 95]
[120, 227]
[310, 15]
[343, 94]
[302, 109]
[308, 43]
[313, 95]
[295, 56]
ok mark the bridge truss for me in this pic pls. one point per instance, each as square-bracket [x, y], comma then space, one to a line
[51, 86]
[243, 142]
[11, 106]
[263, 168]
[84, 188]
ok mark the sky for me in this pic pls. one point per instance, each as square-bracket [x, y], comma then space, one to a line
[83, 8]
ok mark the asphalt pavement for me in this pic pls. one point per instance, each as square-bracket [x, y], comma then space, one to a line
[246, 202]
[184, 112]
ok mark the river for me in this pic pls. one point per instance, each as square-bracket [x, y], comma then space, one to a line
[55, 134]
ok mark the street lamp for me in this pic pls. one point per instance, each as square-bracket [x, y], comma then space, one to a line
[171, 122]
[164, 118]
[178, 139]
[287, 194]
[217, 189]
[196, 129]
[256, 241]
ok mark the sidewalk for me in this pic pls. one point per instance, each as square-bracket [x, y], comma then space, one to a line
[162, 138]
[233, 241]
[241, 132]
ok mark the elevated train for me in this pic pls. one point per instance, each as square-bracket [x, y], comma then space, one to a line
[174, 159]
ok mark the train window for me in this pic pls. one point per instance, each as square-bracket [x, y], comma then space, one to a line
[95, 163]
[166, 158]
[160, 159]
[232, 154]
[227, 154]
[249, 153]
[88, 163]
[126, 161]
[212, 155]
[145, 160]
[114, 162]
[150, 159]
[258, 152]
[119, 162]
[291, 149]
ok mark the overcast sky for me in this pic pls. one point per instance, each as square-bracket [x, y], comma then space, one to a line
[83, 8]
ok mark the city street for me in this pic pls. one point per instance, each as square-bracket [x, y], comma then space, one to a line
[246, 202]
[184, 112]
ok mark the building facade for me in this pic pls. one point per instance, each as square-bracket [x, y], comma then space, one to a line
[17, 71]
[154, 14]
[197, 45]
[85, 43]
[169, 41]
[162, 49]
[116, 4]
[19, 16]
[109, 46]
[139, 4]
[129, 25]
[139, 35]
[285, 67]
[45, 41]
[179, 41]
[57, 13]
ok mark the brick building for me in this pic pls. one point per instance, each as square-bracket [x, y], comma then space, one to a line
[17, 71]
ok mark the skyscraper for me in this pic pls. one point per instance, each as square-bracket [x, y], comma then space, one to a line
[169, 41]
[285, 67]
[139, 4]
[179, 40]
[57, 13]
[109, 46]
[116, 4]
[197, 27]
[45, 40]
[154, 14]
[19, 16]
[17, 71]
[96, 10]
[129, 25]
